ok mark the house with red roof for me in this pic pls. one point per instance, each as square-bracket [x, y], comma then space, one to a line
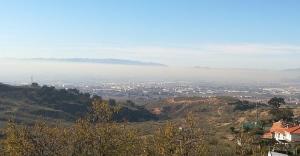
[283, 132]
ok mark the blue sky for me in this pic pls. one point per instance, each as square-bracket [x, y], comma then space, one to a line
[223, 33]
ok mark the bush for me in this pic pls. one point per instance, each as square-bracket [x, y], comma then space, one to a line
[282, 114]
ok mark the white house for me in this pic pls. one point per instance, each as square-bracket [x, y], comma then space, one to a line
[284, 132]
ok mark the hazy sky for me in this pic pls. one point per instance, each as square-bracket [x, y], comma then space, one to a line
[214, 33]
[15, 71]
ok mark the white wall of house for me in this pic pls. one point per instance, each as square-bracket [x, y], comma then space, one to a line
[287, 136]
[280, 136]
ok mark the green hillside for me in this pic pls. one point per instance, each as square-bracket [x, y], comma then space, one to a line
[30, 103]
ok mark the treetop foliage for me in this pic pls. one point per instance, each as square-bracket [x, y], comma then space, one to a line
[276, 102]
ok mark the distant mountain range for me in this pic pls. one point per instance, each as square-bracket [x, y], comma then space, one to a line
[248, 69]
[98, 61]
[202, 67]
[292, 70]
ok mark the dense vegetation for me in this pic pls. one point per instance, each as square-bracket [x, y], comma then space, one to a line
[97, 134]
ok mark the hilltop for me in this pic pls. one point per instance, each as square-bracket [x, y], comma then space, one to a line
[33, 102]
[202, 106]
[212, 112]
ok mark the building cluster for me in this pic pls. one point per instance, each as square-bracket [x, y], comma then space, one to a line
[145, 91]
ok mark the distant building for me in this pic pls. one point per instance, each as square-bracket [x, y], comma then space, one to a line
[283, 132]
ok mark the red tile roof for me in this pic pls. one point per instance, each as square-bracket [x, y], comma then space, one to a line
[294, 130]
[279, 127]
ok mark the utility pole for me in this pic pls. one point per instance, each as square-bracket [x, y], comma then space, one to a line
[256, 113]
[31, 79]
[256, 103]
